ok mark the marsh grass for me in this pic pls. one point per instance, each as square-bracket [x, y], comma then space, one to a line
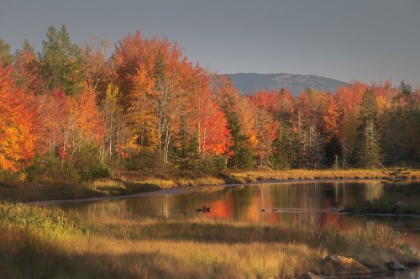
[253, 176]
[115, 187]
[40, 242]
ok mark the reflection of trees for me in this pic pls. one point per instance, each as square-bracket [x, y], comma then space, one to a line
[241, 203]
[373, 190]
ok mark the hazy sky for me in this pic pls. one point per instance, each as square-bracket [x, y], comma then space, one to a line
[366, 40]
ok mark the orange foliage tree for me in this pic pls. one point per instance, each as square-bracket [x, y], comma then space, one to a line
[17, 123]
[69, 122]
[210, 122]
[156, 84]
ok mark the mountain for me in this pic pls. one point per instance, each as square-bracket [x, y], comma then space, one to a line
[252, 82]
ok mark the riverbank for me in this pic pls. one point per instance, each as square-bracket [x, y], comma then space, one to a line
[48, 243]
[42, 242]
[130, 182]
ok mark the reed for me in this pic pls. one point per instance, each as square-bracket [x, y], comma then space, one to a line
[252, 176]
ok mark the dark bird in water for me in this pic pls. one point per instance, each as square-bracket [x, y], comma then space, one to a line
[274, 209]
[204, 209]
[262, 209]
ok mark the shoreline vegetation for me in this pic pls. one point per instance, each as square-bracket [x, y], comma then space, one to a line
[132, 182]
[43, 242]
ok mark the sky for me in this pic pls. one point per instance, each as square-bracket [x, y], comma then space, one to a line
[366, 40]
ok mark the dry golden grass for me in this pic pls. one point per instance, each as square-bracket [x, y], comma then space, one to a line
[257, 175]
[192, 259]
[97, 247]
[252, 176]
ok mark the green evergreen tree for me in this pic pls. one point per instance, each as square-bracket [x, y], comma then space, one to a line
[242, 157]
[6, 58]
[62, 62]
[400, 134]
[333, 153]
[282, 146]
[368, 152]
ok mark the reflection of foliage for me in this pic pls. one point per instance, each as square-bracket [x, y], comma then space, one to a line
[411, 189]
[403, 201]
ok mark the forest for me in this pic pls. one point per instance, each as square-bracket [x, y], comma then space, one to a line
[78, 112]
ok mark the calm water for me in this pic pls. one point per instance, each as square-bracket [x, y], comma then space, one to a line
[314, 203]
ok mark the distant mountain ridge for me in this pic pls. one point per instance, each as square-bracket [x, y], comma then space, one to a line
[251, 82]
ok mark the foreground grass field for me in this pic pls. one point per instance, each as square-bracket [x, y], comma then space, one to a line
[40, 242]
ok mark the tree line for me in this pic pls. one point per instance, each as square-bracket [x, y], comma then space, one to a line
[77, 112]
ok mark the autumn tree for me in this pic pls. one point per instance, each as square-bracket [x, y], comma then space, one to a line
[265, 124]
[115, 135]
[212, 134]
[17, 124]
[154, 77]
[27, 68]
[97, 65]
[170, 91]
[309, 140]
[128, 55]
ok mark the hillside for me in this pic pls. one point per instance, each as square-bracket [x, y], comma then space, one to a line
[251, 82]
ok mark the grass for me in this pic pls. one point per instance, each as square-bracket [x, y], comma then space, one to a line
[40, 242]
[253, 176]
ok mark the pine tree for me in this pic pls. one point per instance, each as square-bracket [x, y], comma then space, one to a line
[242, 155]
[6, 58]
[368, 152]
[62, 62]
[282, 156]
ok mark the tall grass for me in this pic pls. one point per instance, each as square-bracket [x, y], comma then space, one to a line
[252, 176]
[42, 243]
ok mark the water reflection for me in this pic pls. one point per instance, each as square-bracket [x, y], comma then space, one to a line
[308, 203]
[313, 203]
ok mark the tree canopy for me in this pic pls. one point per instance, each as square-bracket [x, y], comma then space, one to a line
[144, 103]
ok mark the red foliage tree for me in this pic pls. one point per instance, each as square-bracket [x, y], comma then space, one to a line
[17, 123]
